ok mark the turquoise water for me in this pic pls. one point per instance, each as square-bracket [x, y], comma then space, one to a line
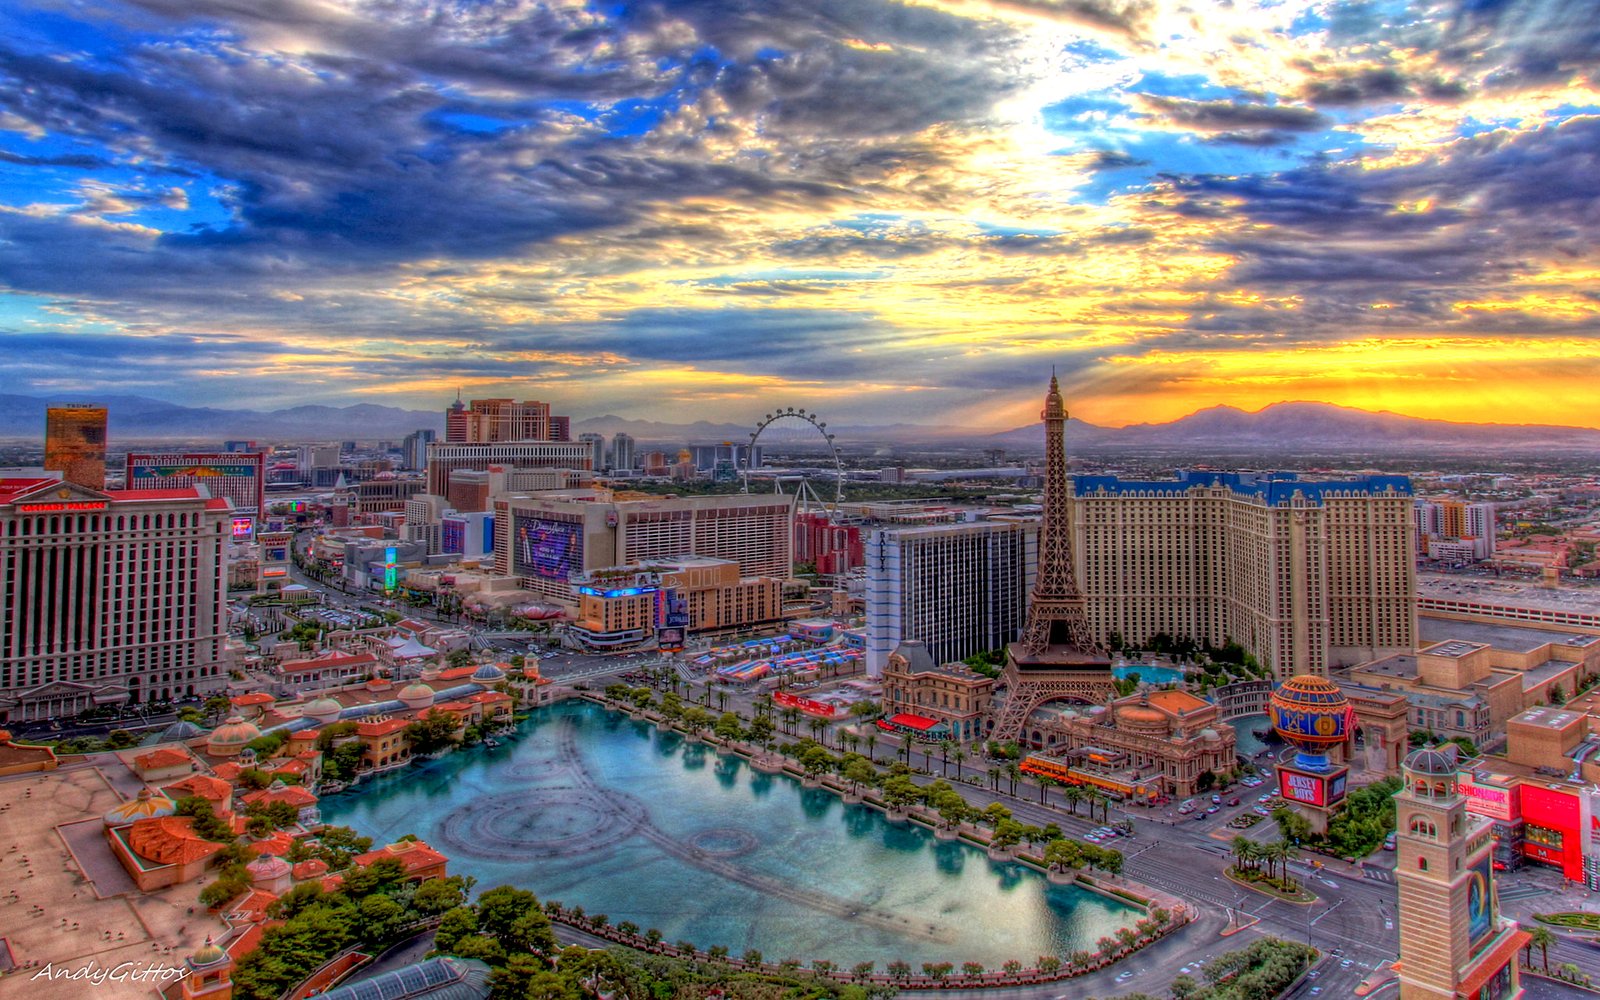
[594, 809]
[1149, 674]
[1245, 726]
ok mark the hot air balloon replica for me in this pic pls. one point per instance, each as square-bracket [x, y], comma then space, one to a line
[1312, 715]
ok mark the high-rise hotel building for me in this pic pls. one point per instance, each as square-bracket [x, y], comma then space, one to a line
[75, 443]
[545, 538]
[960, 589]
[1305, 575]
[108, 597]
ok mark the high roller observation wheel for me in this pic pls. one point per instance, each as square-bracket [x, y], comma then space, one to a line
[797, 413]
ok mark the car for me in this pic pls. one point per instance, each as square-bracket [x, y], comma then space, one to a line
[1123, 977]
[1265, 797]
[1216, 800]
[1315, 990]
[1093, 838]
[1233, 801]
[1388, 842]
[1199, 815]
[1261, 811]
[1212, 809]
[1346, 963]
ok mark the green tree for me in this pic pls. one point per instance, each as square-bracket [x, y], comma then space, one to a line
[432, 732]
[1541, 938]
[728, 728]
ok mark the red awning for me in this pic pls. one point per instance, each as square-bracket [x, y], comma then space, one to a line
[918, 722]
[1486, 965]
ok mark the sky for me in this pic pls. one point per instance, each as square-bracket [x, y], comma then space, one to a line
[886, 212]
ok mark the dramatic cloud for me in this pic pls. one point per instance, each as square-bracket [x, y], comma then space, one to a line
[890, 209]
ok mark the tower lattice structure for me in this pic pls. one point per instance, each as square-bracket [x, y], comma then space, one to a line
[1057, 656]
[1056, 613]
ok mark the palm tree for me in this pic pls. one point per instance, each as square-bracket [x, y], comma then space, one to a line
[994, 779]
[1280, 853]
[872, 744]
[961, 755]
[1541, 938]
[1074, 794]
[944, 756]
[1044, 788]
[1240, 845]
[1014, 772]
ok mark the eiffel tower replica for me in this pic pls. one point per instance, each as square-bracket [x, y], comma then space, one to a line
[1056, 657]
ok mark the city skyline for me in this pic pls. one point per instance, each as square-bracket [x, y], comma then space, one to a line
[892, 212]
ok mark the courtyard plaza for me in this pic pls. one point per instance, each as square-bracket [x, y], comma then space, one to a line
[64, 899]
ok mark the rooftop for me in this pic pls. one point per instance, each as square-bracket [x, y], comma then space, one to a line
[1546, 718]
[1512, 638]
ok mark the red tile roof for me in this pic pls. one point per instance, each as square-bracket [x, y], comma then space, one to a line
[253, 698]
[314, 868]
[487, 697]
[381, 728]
[252, 906]
[228, 771]
[245, 943]
[170, 840]
[414, 855]
[456, 673]
[292, 794]
[277, 845]
[202, 785]
[164, 757]
[328, 660]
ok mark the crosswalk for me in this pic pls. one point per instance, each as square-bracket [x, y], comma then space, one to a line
[1383, 875]
[1508, 893]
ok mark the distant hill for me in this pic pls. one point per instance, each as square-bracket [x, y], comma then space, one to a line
[1310, 426]
[140, 417]
[1316, 427]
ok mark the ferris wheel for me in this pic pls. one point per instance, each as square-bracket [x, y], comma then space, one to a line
[791, 413]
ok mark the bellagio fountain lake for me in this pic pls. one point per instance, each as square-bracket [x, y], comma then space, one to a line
[594, 809]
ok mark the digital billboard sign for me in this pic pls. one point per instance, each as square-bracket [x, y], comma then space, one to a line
[545, 547]
[1480, 901]
[453, 535]
[1312, 788]
[243, 527]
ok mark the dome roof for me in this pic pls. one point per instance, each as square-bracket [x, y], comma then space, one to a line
[416, 695]
[1436, 761]
[322, 708]
[145, 805]
[1139, 713]
[1210, 735]
[208, 954]
[234, 733]
[267, 867]
[489, 673]
[180, 731]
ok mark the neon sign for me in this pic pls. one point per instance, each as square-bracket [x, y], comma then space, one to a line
[33, 508]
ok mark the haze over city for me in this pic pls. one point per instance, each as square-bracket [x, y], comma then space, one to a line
[888, 211]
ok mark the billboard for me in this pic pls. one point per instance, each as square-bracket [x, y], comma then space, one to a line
[1480, 901]
[1493, 801]
[1311, 788]
[239, 477]
[806, 705]
[243, 528]
[453, 535]
[545, 547]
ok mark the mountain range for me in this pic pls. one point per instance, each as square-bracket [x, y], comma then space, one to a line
[1318, 427]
